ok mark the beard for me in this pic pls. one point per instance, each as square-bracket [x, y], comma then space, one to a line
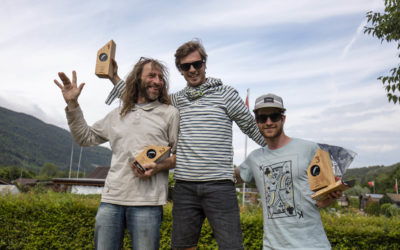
[277, 133]
[147, 94]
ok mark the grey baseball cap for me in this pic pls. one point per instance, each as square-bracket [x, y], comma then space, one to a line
[269, 101]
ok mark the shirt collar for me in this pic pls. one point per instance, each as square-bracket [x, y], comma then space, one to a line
[148, 106]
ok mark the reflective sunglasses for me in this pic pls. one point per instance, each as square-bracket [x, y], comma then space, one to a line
[275, 117]
[196, 65]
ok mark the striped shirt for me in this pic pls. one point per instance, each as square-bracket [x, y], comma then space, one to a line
[204, 150]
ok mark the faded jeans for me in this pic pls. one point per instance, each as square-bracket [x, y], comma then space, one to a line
[142, 222]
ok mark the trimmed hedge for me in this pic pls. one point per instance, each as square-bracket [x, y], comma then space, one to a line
[355, 231]
[66, 221]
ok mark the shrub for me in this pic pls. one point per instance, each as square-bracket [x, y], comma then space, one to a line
[385, 199]
[389, 210]
[354, 202]
[373, 209]
[66, 221]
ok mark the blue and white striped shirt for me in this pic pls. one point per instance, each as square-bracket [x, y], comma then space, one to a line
[204, 151]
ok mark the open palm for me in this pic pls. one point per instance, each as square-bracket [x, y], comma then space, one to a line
[69, 89]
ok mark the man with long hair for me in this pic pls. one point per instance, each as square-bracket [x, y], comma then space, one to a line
[204, 161]
[130, 200]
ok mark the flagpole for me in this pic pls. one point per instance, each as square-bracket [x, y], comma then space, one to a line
[245, 149]
[79, 163]
[397, 188]
[70, 161]
[374, 186]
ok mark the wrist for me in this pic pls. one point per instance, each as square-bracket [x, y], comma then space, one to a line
[115, 79]
[72, 104]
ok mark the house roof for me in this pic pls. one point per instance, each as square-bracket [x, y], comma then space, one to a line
[99, 173]
[394, 197]
[25, 181]
[3, 182]
[79, 181]
[374, 196]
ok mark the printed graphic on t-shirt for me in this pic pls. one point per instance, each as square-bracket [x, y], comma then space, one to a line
[278, 184]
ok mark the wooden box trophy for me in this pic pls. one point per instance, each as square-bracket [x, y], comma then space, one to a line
[104, 67]
[321, 176]
[148, 155]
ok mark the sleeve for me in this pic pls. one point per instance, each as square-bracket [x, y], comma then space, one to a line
[173, 130]
[116, 92]
[83, 134]
[245, 169]
[238, 112]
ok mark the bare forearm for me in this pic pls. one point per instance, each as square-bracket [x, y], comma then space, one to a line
[166, 164]
[115, 79]
[239, 179]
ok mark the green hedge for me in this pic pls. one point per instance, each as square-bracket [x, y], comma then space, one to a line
[66, 221]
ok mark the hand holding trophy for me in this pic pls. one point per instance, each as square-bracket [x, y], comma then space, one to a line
[321, 177]
[149, 156]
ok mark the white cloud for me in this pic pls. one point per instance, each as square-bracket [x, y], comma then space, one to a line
[312, 53]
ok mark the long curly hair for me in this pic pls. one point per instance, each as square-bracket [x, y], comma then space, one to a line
[131, 93]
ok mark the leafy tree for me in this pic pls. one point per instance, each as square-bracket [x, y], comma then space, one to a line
[49, 169]
[386, 27]
[357, 190]
[11, 173]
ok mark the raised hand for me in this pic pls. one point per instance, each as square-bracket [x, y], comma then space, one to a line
[69, 89]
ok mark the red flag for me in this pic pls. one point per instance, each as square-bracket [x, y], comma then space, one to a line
[371, 183]
[247, 99]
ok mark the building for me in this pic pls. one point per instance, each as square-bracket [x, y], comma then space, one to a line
[395, 198]
[7, 188]
[92, 184]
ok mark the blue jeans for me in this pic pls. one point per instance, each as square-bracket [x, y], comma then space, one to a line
[143, 223]
[216, 200]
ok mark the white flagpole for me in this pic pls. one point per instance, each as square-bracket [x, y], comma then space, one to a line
[397, 188]
[245, 149]
[70, 161]
[79, 163]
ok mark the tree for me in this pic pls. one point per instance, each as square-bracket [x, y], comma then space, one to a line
[11, 173]
[385, 26]
[356, 191]
[49, 170]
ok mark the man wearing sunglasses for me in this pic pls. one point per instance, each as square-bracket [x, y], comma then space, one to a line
[291, 217]
[130, 199]
[204, 161]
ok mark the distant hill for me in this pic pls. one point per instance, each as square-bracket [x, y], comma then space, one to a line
[28, 141]
[383, 176]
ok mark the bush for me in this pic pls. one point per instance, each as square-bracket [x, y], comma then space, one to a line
[66, 221]
[389, 210]
[373, 209]
[354, 202]
[355, 231]
[385, 199]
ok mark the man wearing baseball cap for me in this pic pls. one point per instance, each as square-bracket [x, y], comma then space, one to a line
[291, 217]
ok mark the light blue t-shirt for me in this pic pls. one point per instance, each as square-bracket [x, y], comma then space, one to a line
[291, 219]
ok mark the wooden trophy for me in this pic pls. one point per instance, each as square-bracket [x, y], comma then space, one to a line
[104, 67]
[148, 155]
[321, 176]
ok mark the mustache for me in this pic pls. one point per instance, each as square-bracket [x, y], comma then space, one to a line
[153, 86]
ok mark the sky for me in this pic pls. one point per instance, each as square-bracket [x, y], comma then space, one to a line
[312, 53]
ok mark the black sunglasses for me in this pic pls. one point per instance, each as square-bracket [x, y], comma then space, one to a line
[275, 117]
[196, 65]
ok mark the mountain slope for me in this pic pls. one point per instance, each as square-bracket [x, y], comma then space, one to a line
[28, 141]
